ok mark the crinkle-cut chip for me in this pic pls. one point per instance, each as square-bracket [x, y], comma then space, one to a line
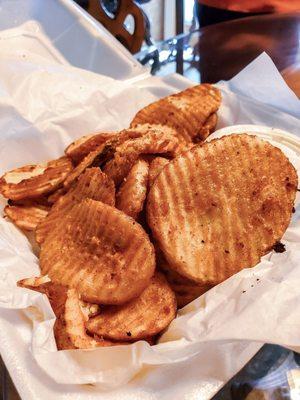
[102, 154]
[69, 327]
[153, 142]
[101, 252]
[186, 111]
[144, 316]
[56, 195]
[185, 289]
[220, 207]
[84, 145]
[26, 217]
[70, 332]
[92, 184]
[35, 180]
[156, 166]
[132, 193]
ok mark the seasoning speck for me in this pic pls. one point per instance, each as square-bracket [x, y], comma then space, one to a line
[293, 210]
[202, 241]
[279, 247]
[128, 333]
[244, 291]
[227, 251]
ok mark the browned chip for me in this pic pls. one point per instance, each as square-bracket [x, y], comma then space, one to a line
[185, 289]
[92, 184]
[156, 166]
[35, 180]
[153, 142]
[132, 193]
[208, 128]
[145, 316]
[102, 153]
[84, 145]
[101, 252]
[71, 314]
[218, 208]
[186, 111]
[26, 217]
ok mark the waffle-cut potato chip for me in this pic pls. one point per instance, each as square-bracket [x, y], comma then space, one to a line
[186, 111]
[92, 184]
[156, 166]
[71, 314]
[153, 142]
[37, 283]
[102, 154]
[185, 289]
[220, 207]
[99, 251]
[35, 180]
[145, 316]
[208, 128]
[84, 145]
[132, 193]
[27, 217]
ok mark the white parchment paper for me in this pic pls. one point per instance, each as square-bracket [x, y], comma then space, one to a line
[43, 107]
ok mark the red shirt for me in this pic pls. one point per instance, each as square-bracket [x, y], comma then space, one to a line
[255, 5]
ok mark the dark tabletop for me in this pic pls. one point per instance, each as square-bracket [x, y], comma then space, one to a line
[220, 51]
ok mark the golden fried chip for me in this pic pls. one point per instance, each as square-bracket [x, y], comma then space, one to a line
[27, 217]
[35, 180]
[71, 314]
[185, 289]
[132, 193]
[101, 252]
[218, 208]
[208, 128]
[153, 142]
[186, 111]
[86, 144]
[92, 184]
[144, 316]
[156, 166]
[101, 154]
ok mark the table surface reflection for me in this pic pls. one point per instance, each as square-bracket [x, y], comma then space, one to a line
[218, 52]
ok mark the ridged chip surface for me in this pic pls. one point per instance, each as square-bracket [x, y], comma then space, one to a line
[92, 184]
[132, 193]
[99, 251]
[27, 217]
[155, 168]
[69, 327]
[221, 206]
[153, 142]
[86, 144]
[35, 180]
[140, 318]
[186, 111]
